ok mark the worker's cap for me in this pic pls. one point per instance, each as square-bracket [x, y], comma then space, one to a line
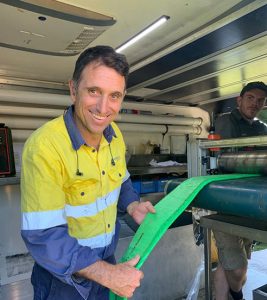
[254, 85]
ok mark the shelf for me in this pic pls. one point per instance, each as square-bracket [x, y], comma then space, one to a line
[158, 170]
[9, 180]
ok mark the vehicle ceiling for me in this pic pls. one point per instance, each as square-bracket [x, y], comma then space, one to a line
[203, 55]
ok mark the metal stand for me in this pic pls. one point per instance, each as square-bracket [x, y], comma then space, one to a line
[239, 226]
[207, 256]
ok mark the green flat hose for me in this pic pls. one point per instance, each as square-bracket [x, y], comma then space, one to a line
[167, 211]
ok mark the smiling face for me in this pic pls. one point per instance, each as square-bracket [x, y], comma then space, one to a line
[97, 100]
[251, 103]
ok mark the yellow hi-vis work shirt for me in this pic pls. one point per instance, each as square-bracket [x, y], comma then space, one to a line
[53, 193]
[70, 195]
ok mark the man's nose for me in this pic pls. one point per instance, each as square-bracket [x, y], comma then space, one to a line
[259, 103]
[102, 104]
[254, 102]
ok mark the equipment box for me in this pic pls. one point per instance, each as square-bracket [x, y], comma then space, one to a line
[260, 293]
[7, 161]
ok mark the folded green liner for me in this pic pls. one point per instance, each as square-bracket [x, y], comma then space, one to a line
[167, 211]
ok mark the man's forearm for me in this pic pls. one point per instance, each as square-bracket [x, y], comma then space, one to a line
[122, 278]
[99, 272]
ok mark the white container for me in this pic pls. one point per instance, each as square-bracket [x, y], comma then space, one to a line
[178, 144]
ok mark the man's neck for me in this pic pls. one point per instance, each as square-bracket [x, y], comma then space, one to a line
[90, 139]
[244, 117]
[93, 141]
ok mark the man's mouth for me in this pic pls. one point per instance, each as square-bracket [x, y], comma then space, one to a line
[99, 117]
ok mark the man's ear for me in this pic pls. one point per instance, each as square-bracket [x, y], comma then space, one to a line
[72, 91]
[238, 100]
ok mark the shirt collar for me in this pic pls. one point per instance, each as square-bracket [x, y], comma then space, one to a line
[74, 133]
[237, 114]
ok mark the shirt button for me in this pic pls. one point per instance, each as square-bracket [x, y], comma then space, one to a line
[103, 172]
[82, 193]
[120, 174]
[93, 150]
[108, 225]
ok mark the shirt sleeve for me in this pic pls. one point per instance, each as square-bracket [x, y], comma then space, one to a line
[127, 195]
[224, 127]
[263, 128]
[56, 251]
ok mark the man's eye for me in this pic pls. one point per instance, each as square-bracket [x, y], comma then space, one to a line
[116, 96]
[93, 91]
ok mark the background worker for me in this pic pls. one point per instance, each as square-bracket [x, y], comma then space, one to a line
[241, 121]
[74, 177]
[233, 251]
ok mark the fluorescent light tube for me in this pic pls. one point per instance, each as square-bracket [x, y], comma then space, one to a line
[143, 33]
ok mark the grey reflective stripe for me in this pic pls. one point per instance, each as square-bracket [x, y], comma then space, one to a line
[87, 210]
[43, 219]
[51, 218]
[101, 240]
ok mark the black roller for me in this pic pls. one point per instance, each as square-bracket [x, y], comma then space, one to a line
[245, 197]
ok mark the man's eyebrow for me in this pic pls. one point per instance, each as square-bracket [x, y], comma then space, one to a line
[117, 92]
[93, 87]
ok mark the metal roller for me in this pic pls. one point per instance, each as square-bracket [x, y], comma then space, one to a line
[241, 197]
[252, 162]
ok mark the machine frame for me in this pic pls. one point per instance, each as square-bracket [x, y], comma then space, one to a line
[199, 160]
[198, 155]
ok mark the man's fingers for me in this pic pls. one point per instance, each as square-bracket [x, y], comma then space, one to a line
[149, 207]
[132, 262]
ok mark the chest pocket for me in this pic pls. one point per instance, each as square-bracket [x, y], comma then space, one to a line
[82, 192]
[116, 175]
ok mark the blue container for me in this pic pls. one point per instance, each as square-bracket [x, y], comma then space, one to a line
[148, 186]
[161, 184]
[137, 185]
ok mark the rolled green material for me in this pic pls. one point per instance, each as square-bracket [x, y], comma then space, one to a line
[167, 211]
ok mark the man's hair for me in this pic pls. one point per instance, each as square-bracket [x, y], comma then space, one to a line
[102, 55]
[254, 85]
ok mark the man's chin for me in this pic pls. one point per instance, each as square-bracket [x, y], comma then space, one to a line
[252, 116]
[98, 130]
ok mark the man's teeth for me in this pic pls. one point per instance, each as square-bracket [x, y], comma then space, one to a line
[98, 117]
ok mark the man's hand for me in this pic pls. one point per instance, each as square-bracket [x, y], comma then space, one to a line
[126, 278]
[138, 210]
[122, 278]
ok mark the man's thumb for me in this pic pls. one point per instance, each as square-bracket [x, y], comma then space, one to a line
[132, 262]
